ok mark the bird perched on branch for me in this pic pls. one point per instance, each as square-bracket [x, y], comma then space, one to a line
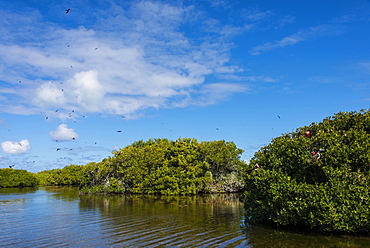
[256, 167]
[316, 155]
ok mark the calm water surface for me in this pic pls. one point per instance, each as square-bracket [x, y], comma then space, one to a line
[58, 217]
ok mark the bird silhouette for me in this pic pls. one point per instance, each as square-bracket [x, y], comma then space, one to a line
[67, 11]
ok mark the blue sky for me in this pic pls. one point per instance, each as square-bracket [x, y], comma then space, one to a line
[242, 71]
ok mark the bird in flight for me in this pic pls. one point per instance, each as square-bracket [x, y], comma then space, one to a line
[67, 11]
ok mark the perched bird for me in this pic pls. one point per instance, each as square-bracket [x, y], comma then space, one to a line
[316, 155]
[256, 167]
[307, 134]
[67, 11]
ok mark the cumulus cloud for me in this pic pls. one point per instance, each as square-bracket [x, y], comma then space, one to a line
[13, 147]
[133, 58]
[63, 133]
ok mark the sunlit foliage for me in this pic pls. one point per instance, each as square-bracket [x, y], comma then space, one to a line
[69, 175]
[162, 166]
[317, 176]
[17, 178]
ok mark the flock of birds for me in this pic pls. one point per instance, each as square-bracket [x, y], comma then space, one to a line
[316, 156]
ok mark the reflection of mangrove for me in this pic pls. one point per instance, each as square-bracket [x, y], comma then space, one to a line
[12, 201]
[267, 236]
[20, 191]
[198, 210]
[68, 193]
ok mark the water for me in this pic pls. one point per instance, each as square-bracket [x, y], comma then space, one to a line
[58, 217]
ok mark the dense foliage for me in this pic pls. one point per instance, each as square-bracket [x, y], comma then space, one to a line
[317, 176]
[161, 166]
[17, 178]
[69, 175]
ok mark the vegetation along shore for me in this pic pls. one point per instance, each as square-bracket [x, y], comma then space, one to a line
[315, 177]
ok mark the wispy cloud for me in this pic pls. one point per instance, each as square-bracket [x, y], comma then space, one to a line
[306, 34]
[129, 60]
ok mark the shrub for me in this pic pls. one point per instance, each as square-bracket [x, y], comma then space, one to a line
[161, 166]
[17, 178]
[317, 176]
[69, 175]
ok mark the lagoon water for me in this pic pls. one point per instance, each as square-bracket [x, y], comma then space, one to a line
[59, 217]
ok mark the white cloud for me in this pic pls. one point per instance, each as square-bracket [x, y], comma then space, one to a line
[48, 95]
[87, 90]
[129, 60]
[63, 133]
[12, 147]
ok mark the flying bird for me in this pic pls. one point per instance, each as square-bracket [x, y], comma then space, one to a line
[11, 166]
[67, 11]
[119, 131]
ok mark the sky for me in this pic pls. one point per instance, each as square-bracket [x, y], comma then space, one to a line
[80, 79]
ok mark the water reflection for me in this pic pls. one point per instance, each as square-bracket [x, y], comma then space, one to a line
[58, 217]
[169, 220]
[264, 236]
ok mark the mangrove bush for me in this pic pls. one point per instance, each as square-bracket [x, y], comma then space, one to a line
[162, 166]
[317, 176]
